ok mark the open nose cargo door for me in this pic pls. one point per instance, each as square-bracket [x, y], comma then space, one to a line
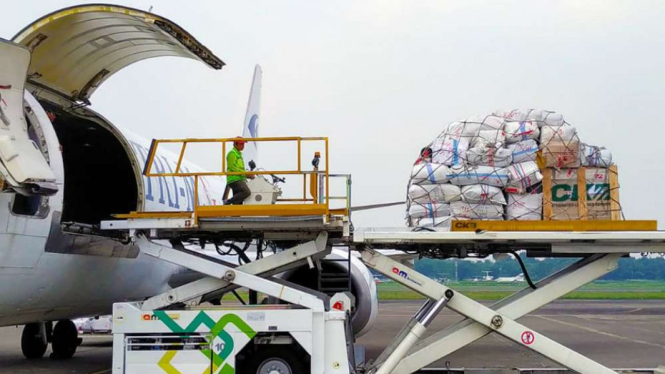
[22, 165]
[74, 50]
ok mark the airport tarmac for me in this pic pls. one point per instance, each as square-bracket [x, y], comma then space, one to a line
[619, 334]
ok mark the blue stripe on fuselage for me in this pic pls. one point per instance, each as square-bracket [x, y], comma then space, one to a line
[162, 164]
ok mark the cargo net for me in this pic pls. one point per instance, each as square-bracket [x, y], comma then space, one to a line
[521, 164]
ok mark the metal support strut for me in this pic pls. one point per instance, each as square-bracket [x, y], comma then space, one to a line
[482, 320]
[422, 319]
[223, 277]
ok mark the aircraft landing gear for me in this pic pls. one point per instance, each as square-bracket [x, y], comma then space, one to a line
[34, 340]
[65, 340]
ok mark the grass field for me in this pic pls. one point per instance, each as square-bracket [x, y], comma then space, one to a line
[599, 290]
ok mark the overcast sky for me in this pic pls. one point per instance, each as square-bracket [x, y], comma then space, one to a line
[383, 78]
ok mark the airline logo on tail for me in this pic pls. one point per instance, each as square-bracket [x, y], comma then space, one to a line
[251, 128]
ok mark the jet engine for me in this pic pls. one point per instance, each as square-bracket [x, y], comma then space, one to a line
[335, 270]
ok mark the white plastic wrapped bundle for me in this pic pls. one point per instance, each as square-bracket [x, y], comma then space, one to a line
[521, 131]
[429, 173]
[562, 134]
[423, 193]
[461, 209]
[489, 139]
[525, 207]
[591, 155]
[466, 175]
[500, 157]
[472, 126]
[542, 117]
[438, 222]
[450, 150]
[429, 210]
[524, 151]
[483, 194]
[523, 176]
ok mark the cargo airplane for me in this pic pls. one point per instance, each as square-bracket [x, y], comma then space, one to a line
[57, 156]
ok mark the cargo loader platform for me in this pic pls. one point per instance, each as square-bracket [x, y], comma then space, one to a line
[204, 339]
[599, 252]
[538, 239]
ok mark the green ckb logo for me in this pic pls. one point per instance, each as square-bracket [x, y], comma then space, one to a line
[594, 192]
[216, 330]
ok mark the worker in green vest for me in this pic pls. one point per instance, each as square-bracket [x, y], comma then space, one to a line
[237, 183]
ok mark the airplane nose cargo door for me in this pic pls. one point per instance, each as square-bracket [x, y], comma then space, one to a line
[22, 166]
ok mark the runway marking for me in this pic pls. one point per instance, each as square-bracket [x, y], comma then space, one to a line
[102, 372]
[605, 320]
[602, 332]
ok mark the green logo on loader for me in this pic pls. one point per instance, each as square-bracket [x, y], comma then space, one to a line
[594, 192]
[216, 330]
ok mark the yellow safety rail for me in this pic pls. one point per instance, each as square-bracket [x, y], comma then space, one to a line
[316, 205]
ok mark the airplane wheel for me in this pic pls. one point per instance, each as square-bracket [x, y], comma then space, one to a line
[33, 344]
[271, 360]
[65, 340]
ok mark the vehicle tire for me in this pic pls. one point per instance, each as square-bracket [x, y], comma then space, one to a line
[65, 340]
[33, 344]
[272, 360]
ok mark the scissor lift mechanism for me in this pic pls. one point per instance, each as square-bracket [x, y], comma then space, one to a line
[600, 252]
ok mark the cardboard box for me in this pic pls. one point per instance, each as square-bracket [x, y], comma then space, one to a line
[581, 194]
[562, 155]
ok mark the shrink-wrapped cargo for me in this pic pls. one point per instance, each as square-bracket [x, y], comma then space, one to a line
[450, 150]
[591, 155]
[541, 117]
[525, 207]
[466, 172]
[429, 210]
[429, 173]
[461, 209]
[523, 176]
[424, 193]
[483, 194]
[438, 222]
[524, 151]
[489, 156]
[489, 139]
[521, 131]
[466, 175]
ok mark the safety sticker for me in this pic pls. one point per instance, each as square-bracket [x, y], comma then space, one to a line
[528, 337]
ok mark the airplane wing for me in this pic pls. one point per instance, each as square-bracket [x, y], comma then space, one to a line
[74, 50]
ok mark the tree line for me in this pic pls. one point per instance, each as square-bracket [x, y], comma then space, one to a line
[643, 268]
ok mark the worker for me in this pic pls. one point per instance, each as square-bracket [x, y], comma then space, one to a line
[237, 183]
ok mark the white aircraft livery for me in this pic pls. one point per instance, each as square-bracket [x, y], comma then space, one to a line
[57, 157]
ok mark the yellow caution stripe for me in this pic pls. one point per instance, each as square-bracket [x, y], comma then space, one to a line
[579, 226]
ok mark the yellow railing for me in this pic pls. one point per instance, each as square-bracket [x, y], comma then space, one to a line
[321, 202]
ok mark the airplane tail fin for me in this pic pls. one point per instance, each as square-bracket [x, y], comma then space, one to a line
[251, 127]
